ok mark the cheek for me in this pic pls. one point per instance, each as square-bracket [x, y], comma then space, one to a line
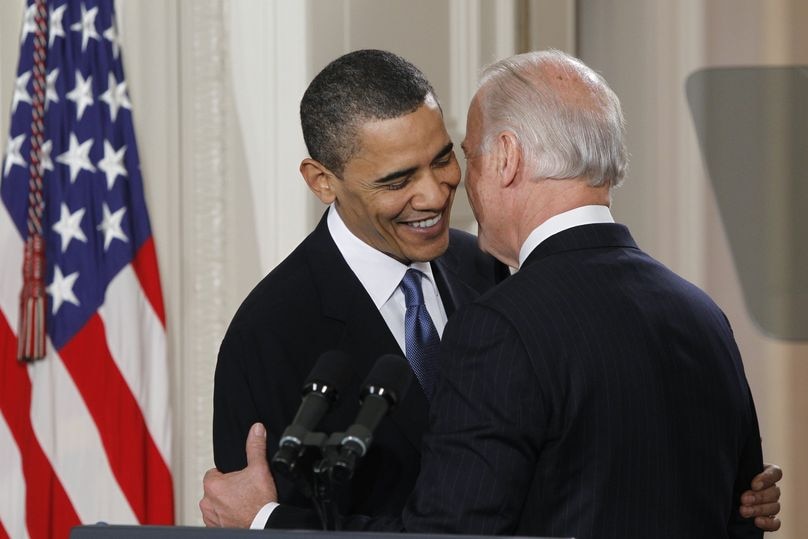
[471, 185]
[453, 174]
[387, 207]
[356, 208]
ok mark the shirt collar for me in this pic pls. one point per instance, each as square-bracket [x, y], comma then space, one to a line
[584, 215]
[379, 273]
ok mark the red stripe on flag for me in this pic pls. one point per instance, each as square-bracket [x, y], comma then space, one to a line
[135, 461]
[49, 512]
[145, 266]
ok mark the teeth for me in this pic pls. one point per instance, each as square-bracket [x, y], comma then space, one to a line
[426, 223]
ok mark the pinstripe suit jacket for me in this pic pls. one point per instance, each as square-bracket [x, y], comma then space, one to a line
[311, 303]
[594, 394]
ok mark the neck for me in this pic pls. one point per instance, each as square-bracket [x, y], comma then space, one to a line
[549, 198]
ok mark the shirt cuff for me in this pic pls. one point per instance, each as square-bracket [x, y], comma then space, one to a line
[261, 519]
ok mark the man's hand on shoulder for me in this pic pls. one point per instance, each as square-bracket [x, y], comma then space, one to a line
[233, 499]
[763, 500]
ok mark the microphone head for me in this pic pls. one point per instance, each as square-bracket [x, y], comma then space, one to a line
[390, 377]
[331, 374]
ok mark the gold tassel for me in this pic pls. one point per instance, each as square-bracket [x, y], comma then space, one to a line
[31, 334]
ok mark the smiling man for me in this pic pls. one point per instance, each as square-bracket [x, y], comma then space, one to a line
[381, 158]
[395, 193]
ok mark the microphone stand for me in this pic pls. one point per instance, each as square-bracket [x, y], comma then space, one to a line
[323, 491]
[311, 472]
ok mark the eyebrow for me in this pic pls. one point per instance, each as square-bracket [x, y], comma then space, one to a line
[446, 150]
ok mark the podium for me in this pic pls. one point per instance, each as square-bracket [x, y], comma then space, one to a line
[103, 531]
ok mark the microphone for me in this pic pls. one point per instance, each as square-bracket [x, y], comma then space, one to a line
[385, 385]
[329, 377]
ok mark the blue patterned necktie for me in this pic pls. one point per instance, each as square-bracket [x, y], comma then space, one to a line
[420, 336]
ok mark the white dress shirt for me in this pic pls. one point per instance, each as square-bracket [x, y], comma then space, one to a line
[584, 215]
[380, 275]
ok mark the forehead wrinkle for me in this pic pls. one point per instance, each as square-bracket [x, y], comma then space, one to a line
[394, 147]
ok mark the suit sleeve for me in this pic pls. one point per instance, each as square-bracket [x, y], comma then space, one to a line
[751, 463]
[486, 424]
[751, 452]
[254, 382]
[234, 410]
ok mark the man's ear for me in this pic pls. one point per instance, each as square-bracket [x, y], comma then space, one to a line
[509, 157]
[319, 179]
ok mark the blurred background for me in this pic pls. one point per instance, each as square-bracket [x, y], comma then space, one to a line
[215, 86]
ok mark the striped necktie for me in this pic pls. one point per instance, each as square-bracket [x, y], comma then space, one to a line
[420, 336]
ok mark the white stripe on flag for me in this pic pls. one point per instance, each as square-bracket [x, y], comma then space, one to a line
[12, 487]
[72, 444]
[140, 353]
[11, 277]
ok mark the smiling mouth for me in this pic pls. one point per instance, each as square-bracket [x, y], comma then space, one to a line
[426, 223]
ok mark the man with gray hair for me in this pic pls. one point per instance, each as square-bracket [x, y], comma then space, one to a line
[592, 394]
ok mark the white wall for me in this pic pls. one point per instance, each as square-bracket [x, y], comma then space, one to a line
[214, 87]
[10, 23]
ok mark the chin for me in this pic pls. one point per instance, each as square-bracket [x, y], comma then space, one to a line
[432, 251]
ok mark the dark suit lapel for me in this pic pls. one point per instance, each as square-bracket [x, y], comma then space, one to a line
[365, 333]
[454, 291]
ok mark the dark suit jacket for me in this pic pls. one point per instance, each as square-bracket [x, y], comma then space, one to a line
[594, 394]
[311, 303]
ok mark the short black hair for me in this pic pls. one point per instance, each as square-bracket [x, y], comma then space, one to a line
[355, 88]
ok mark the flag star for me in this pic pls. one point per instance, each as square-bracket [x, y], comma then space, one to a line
[77, 157]
[50, 91]
[111, 225]
[115, 96]
[29, 22]
[44, 155]
[55, 28]
[112, 35]
[69, 226]
[81, 94]
[21, 91]
[86, 26]
[13, 155]
[112, 163]
[61, 289]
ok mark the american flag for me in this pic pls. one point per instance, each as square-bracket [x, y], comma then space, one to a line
[85, 433]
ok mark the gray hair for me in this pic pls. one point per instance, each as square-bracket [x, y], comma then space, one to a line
[565, 116]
